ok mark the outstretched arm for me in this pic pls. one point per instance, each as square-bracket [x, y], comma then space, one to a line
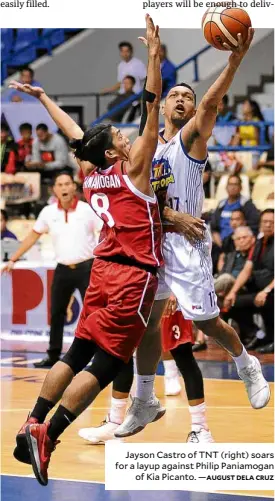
[62, 119]
[201, 125]
[143, 149]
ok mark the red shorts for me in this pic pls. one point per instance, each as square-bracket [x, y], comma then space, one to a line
[175, 330]
[117, 307]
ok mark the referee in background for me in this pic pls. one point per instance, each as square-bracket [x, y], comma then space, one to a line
[74, 229]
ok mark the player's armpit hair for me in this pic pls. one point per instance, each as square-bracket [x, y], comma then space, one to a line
[193, 136]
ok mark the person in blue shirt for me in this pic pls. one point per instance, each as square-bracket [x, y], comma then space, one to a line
[220, 221]
[26, 77]
[168, 71]
[5, 233]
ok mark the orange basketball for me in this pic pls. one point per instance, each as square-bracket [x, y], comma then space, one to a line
[221, 25]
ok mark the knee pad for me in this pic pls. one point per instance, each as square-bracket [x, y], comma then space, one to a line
[190, 371]
[79, 354]
[124, 380]
[105, 367]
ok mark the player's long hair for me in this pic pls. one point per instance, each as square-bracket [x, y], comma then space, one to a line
[93, 145]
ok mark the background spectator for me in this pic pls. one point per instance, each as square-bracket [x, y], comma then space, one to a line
[220, 221]
[237, 219]
[128, 84]
[129, 65]
[234, 261]
[258, 277]
[8, 151]
[26, 77]
[248, 135]
[5, 233]
[50, 151]
[265, 166]
[224, 161]
[168, 71]
[223, 135]
[24, 145]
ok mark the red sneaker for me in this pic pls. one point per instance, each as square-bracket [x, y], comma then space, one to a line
[21, 451]
[41, 448]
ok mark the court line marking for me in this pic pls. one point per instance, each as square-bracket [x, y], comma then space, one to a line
[206, 378]
[235, 493]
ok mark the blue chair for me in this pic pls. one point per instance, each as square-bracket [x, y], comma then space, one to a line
[22, 55]
[51, 38]
[6, 42]
[24, 50]
[268, 114]
[26, 36]
[4, 72]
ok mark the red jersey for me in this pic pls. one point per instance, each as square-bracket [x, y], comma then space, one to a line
[132, 225]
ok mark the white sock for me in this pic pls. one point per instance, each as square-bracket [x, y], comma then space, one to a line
[145, 387]
[198, 417]
[170, 368]
[243, 360]
[118, 409]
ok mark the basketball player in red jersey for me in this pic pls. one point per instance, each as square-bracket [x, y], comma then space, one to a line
[123, 281]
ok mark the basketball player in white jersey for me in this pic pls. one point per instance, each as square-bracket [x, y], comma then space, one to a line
[177, 172]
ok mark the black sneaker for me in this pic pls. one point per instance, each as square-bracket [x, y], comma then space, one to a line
[45, 363]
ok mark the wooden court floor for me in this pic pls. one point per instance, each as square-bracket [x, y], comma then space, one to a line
[230, 417]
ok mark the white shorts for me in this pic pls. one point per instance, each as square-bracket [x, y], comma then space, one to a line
[188, 275]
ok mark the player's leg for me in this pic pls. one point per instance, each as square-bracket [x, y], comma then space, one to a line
[172, 385]
[79, 394]
[57, 380]
[62, 373]
[121, 388]
[145, 406]
[248, 366]
[193, 381]
[149, 352]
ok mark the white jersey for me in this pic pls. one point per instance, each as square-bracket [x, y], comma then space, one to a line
[177, 179]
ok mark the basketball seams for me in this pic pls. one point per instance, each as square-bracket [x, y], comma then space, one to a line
[234, 19]
[211, 21]
[227, 15]
[216, 44]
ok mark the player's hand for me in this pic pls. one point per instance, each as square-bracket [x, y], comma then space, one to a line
[260, 299]
[239, 52]
[8, 267]
[193, 228]
[27, 89]
[152, 40]
[171, 306]
[229, 300]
